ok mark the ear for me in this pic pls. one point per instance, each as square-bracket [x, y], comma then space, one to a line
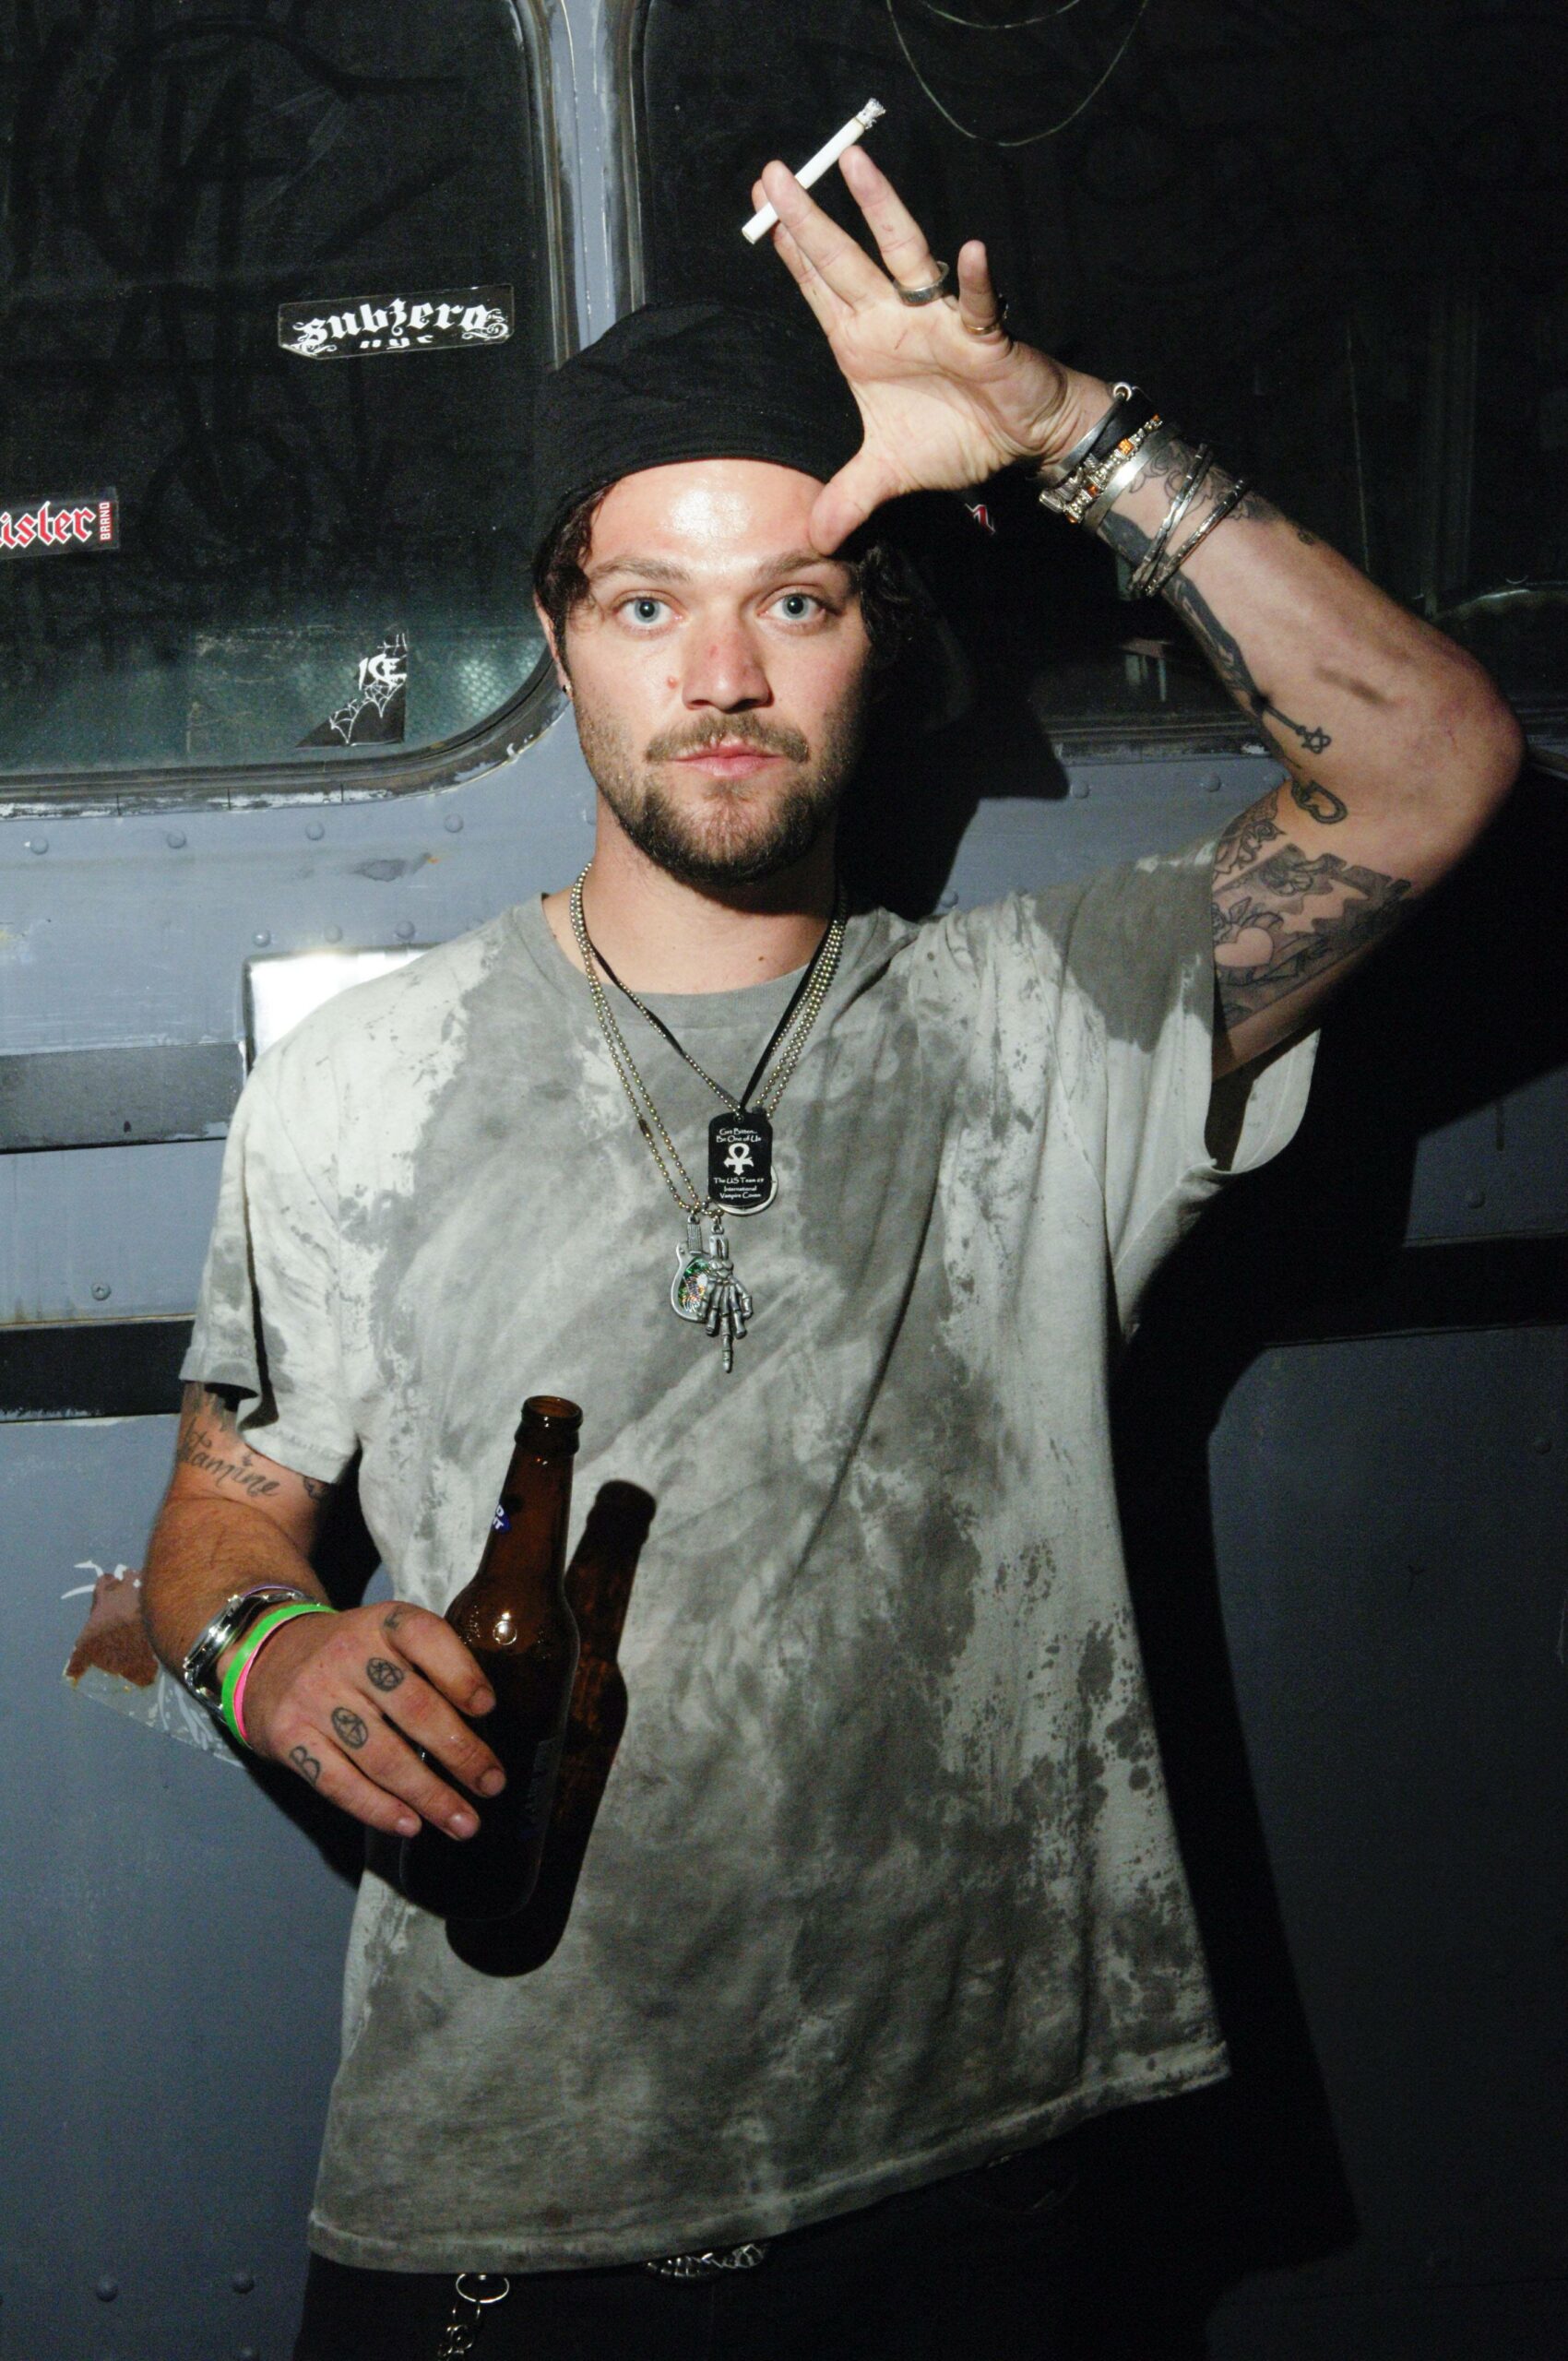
[557, 658]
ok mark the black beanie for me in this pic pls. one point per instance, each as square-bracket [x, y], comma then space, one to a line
[688, 381]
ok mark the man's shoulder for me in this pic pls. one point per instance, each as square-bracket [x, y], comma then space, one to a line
[370, 1036]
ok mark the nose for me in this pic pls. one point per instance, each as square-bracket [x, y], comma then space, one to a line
[723, 669]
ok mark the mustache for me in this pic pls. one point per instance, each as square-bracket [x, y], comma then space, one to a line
[744, 729]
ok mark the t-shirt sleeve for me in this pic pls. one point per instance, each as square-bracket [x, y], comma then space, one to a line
[266, 1320]
[1133, 950]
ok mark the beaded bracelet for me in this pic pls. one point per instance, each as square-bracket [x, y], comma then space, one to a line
[230, 1704]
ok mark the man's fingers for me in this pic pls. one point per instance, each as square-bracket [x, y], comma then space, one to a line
[978, 305]
[849, 272]
[848, 501]
[378, 1753]
[900, 241]
[321, 1766]
[828, 306]
[430, 1642]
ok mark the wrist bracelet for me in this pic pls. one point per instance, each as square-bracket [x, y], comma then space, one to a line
[1142, 454]
[230, 1704]
[1076, 490]
[1147, 567]
[233, 1619]
[1055, 472]
[1216, 516]
[1111, 469]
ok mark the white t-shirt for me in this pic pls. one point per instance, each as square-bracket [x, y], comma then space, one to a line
[883, 1880]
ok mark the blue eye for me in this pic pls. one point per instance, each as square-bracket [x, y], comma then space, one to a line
[797, 603]
[646, 610]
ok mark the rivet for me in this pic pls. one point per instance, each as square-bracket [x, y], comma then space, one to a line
[334, 934]
[242, 2282]
[453, 824]
[176, 840]
[1080, 787]
[1210, 782]
[249, 2352]
[106, 2290]
[405, 930]
[1542, 1443]
[261, 938]
[38, 844]
[1474, 1198]
[101, 1291]
[315, 830]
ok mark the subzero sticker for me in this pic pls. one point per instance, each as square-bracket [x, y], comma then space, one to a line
[86, 520]
[374, 714]
[439, 320]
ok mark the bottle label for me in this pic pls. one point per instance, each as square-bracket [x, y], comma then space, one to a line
[500, 1522]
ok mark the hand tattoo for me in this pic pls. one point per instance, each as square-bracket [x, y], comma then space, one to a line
[395, 1618]
[384, 1675]
[305, 1763]
[349, 1727]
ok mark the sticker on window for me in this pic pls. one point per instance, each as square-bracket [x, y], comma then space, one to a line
[441, 320]
[374, 716]
[87, 520]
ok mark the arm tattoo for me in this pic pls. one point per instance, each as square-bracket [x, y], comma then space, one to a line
[349, 1727]
[1247, 835]
[305, 1763]
[1319, 802]
[384, 1675]
[1131, 541]
[196, 1449]
[1291, 919]
[315, 1489]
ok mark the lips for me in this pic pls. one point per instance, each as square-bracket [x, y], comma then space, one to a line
[734, 760]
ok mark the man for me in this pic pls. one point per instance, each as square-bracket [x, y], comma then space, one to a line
[884, 1887]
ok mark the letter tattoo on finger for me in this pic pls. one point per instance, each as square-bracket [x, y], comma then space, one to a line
[384, 1675]
[349, 1727]
[305, 1763]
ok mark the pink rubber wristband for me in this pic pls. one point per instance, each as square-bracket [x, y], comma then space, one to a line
[238, 1707]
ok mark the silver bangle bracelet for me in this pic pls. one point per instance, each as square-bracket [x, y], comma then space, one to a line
[1054, 471]
[1123, 479]
[1147, 567]
[1216, 516]
[233, 1621]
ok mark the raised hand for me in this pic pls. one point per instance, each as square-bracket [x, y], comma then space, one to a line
[946, 396]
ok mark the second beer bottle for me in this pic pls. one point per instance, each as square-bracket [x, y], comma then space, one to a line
[514, 1615]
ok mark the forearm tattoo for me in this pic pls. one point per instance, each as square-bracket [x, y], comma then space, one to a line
[1284, 918]
[1128, 538]
[209, 1439]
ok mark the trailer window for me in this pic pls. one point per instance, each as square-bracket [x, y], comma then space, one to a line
[278, 283]
[1333, 241]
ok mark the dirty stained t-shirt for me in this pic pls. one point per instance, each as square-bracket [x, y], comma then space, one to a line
[883, 1880]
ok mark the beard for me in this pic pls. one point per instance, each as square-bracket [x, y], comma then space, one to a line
[731, 836]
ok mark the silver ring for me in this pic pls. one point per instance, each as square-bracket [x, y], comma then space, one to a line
[925, 294]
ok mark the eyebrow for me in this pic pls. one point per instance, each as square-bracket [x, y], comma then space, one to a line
[660, 569]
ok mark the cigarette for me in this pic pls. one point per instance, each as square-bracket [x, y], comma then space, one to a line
[761, 223]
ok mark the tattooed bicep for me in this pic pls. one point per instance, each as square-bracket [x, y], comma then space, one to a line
[212, 1455]
[1285, 919]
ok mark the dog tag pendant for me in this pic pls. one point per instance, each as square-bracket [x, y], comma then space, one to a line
[740, 1162]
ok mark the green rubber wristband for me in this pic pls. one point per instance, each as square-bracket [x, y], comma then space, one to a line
[262, 1630]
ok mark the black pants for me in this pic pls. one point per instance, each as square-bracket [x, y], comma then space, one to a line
[982, 2267]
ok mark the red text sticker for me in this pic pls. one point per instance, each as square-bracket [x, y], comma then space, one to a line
[86, 520]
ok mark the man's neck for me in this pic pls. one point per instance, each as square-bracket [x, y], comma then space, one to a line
[660, 935]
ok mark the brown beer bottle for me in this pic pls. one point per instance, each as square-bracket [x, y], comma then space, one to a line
[514, 1617]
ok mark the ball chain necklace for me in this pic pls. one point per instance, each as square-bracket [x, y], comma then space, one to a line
[740, 1178]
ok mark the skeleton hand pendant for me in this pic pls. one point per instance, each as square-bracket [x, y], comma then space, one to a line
[705, 1289]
